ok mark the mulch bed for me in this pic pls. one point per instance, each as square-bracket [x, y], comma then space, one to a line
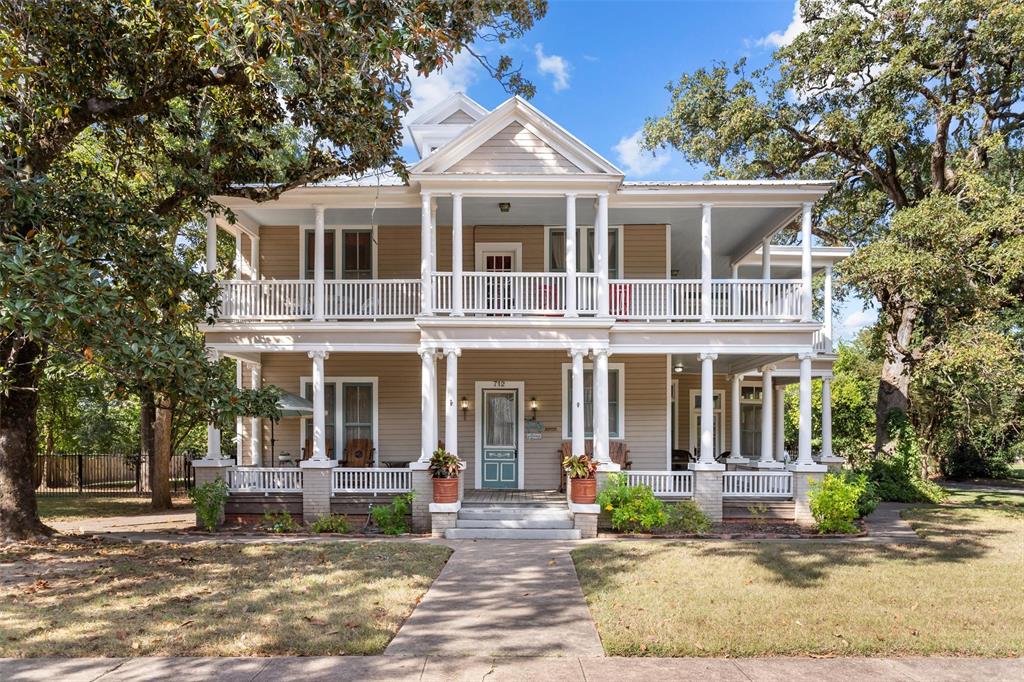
[747, 530]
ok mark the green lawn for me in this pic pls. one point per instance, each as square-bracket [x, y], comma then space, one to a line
[74, 507]
[955, 594]
[98, 599]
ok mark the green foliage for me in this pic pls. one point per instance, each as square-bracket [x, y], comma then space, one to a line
[332, 523]
[579, 466]
[209, 500]
[444, 464]
[686, 517]
[391, 518]
[834, 502]
[632, 508]
[868, 500]
[897, 475]
[280, 522]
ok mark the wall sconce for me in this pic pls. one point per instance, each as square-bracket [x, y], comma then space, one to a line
[464, 406]
[678, 369]
[533, 408]
[504, 206]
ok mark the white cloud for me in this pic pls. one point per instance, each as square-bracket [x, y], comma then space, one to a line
[429, 91]
[636, 162]
[553, 65]
[856, 320]
[783, 38]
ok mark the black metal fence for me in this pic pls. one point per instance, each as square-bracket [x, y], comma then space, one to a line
[121, 474]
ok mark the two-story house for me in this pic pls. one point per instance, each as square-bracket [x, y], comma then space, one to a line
[518, 293]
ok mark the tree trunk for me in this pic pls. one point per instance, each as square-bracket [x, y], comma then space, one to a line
[22, 362]
[894, 383]
[147, 415]
[162, 447]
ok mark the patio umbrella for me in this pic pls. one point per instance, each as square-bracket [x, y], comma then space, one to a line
[289, 405]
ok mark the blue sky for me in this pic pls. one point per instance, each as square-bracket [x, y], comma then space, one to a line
[601, 67]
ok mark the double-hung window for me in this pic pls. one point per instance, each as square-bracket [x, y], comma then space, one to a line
[556, 250]
[615, 406]
[330, 266]
[348, 253]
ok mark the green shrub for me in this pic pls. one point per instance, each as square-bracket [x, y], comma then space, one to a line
[280, 522]
[868, 500]
[966, 460]
[687, 517]
[633, 508]
[209, 500]
[333, 523]
[897, 476]
[390, 518]
[834, 503]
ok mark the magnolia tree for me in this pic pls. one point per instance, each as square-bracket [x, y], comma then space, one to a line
[914, 107]
[118, 121]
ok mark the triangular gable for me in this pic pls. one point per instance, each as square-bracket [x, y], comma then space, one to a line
[516, 139]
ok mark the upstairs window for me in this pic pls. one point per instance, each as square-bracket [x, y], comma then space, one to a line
[357, 254]
[330, 268]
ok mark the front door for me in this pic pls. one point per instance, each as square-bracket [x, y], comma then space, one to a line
[499, 289]
[500, 457]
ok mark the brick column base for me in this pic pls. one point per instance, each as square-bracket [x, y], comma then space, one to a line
[316, 489]
[422, 497]
[707, 492]
[801, 502]
[208, 471]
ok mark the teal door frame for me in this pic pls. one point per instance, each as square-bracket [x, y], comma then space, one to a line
[500, 467]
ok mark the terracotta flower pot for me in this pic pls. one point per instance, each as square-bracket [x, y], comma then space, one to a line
[584, 490]
[446, 490]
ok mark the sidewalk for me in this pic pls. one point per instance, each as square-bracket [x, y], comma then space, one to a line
[371, 668]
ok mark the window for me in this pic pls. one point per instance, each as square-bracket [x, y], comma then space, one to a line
[613, 251]
[717, 427]
[350, 407]
[750, 421]
[556, 250]
[330, 419]
[357, 411]
[615, 401]
[357, 254]
[309, 252]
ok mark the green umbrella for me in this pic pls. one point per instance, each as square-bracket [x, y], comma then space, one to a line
[289, 405]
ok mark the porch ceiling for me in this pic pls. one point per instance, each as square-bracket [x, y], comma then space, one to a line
[726, 364]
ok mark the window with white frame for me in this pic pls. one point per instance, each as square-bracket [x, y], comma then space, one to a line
[357, 254]
[309, 253]
[584, 235]
[717, 427]
[348, 256]
[750, 420]
[350, 407]
[616, 402]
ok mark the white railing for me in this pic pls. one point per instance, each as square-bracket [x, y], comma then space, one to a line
[586, 293]
[514, 293]
[822, 343]
[663, 483]
[756, 299]
[371, 480]
[654, 299]
[441, 292]
[264, 480]
[265, 299]
[372, 298]
[757, 484]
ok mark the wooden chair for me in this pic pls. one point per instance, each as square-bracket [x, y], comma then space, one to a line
[358, 453]
[618, 451]
[307, 450]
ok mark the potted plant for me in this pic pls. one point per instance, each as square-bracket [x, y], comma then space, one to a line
[444, 469]
[581, 470]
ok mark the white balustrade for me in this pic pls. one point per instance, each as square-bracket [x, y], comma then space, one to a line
[757, 484]
[822, 343]
[586, 293]
[514, 293]
[264, 480]
[371, 480]
[655, 299]
[372, 298]
[442, 292]
[756, 299]
[280, 299]
[663, 483]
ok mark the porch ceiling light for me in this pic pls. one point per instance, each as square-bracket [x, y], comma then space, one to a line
[678, 369]
[504, 206]
[464, 406]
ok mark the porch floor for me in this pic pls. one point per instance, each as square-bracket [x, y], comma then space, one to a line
[534, 497]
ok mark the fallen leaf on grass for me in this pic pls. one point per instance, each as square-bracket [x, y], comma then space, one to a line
[314, 621]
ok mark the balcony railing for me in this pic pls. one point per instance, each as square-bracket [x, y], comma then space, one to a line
[822, 342]
[757, 484]
[516, 294]
[264, 480]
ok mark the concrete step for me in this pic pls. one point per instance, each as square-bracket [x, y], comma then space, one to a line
[512, 534]
[514, 523]
[471, 514]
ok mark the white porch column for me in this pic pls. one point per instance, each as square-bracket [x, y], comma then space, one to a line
[211, 243]
[426, 249]
[319, 294]
[827, 321]
[805, 261]
[780, 423]
[736, 456]
[428, 407]
[254, 257]
[256, 436]
[766, 272]
[451, 398]
[456, 256]
[238, 420]
[804, 452]
[238, 255]
[570, 256]
[578, 422]
[433, 235]
[707, 408]
[319, 410]
[767, 459]
[601, 235]
[705, 263]
[212, 432]
[826, 418]
[601, 410]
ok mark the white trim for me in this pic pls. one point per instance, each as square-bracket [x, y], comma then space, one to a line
[695, 410]
[478, 392]
[339, 413]
[675, 415]
[339, 249]
[481, 248]
[612, 367]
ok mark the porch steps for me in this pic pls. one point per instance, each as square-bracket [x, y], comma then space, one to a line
[513, 522]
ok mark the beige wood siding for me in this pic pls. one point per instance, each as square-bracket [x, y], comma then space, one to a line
[398, 251]
[279, 252]
[458, 117]
[644, 251]
[514, 150]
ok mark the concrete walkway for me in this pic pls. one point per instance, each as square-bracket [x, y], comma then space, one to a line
[886, 524]
[502, 598]
[372, 668]
[138, 523]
